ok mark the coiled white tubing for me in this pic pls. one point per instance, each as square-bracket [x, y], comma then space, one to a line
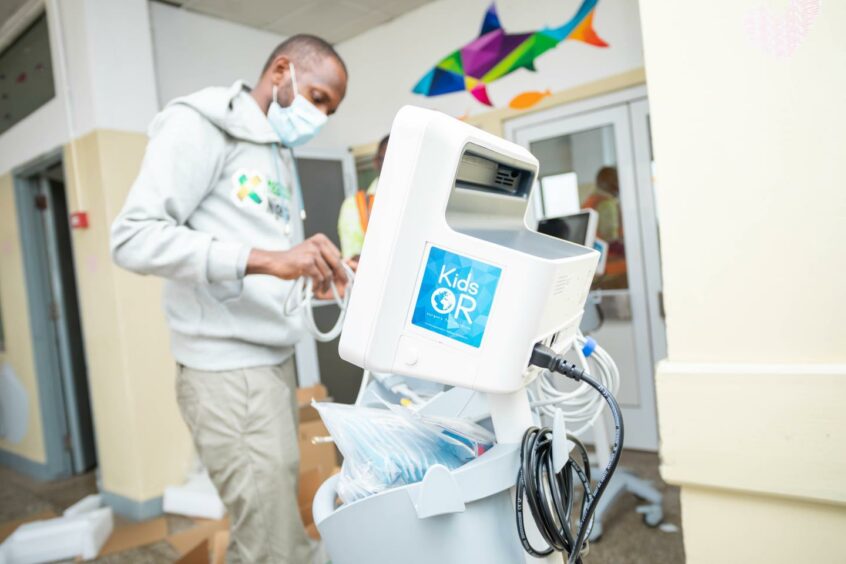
[301, 299]
[582, 406]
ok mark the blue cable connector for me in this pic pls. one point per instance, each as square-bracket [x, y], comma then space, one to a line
[590, 346]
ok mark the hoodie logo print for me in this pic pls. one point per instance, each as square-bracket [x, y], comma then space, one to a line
[278, 201]
[249, 188]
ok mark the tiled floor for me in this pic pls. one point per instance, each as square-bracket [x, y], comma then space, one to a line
[626, 540]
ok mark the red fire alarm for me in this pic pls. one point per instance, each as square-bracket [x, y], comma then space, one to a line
[79, 220]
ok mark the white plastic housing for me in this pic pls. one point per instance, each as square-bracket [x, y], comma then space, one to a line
[437, 189]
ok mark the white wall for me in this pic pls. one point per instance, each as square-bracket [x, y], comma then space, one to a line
[193, 51]
[386, 62]
[41, 132]
[120, 54]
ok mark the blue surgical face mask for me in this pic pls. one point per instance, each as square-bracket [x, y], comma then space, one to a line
[297, 123]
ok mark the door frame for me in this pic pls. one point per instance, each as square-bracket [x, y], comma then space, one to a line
[58, 463]
[624, 96]
[343, 155]
[616, 109]
[305, 351]
[639, 114]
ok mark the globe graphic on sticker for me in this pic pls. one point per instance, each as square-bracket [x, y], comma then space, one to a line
[443, 300]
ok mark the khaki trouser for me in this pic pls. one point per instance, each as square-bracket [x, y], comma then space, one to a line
[244, 425]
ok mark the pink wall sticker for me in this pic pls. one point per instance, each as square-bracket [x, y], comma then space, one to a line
[780, 31]
[92, 263]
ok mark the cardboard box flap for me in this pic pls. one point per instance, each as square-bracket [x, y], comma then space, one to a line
[317, 393]
[132, 535]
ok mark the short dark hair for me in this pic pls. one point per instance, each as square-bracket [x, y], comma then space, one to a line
[384, 142]
[306, 48]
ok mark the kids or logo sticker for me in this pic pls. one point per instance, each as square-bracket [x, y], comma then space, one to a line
[455, 296]
[249, 188]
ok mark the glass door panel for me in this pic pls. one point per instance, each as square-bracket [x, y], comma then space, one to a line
[588, 161]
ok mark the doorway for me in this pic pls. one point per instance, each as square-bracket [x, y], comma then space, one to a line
[598, 154]
[55, 320]
[327, 177]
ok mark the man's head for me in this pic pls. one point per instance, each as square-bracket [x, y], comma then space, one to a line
[320, 73]
[379, 157]
[607, 181]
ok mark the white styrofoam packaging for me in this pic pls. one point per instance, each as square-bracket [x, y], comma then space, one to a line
[84, 505]
[61, 538]
[453, 286]
[196, 498]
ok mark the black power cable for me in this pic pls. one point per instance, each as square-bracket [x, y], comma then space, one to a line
[550, 494]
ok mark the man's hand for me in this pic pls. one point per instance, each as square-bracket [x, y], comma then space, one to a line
[340, 287]
[316, 257]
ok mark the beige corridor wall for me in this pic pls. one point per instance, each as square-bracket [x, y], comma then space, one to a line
[14, 315]
[142, 442]
[748, 127]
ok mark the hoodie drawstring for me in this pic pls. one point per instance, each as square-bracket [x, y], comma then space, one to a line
[276, 148]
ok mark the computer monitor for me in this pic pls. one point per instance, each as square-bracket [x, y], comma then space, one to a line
[579, 228]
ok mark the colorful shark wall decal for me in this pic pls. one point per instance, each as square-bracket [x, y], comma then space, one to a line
[495, 54]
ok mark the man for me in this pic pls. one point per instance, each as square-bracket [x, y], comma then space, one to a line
[215, 211]
[355, 211]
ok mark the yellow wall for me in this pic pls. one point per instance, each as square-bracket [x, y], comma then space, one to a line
[749, 150]
[15, 318]
[783, 530]
[143, 444]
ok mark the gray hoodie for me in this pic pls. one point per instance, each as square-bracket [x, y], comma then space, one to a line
[214, 184]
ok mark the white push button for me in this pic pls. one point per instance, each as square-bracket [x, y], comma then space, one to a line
[410, 356]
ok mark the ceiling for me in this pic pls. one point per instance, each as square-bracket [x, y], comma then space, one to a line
[333, 20]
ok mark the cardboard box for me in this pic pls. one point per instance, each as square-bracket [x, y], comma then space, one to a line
[318, 462]
[209, 545]
[317, 393]
[322, 455]
[128, 535]
[185, 541]
[200, 554]
[310, 482]
[220, 543]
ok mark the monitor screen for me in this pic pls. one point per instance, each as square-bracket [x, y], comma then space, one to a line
[573, 227]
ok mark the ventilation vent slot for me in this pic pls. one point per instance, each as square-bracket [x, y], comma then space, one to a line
[506, 178]
[481, 173]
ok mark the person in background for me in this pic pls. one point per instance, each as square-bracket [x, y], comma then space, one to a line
[605, 199]
[215, 211]
[355, 211]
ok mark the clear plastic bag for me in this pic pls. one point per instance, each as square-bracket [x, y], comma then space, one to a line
[387, 448]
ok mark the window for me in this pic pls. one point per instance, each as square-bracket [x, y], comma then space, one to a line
[26, 74]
